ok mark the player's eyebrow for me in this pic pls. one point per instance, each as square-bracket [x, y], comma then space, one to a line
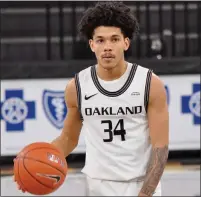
[114, 35]
[97, 37]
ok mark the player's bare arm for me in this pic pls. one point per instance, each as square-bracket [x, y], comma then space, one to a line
[158, 119]
[69, 137]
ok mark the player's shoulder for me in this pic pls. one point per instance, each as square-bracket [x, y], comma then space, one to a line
[70, 87]
[157, 88]
[156, 84]
[142, 68]
[73, 85]
[146, 70]
[84, 72]
[155, 81]
[71, 93]
[84, 75]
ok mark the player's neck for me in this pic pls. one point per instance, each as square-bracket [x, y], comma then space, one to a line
[112, 74]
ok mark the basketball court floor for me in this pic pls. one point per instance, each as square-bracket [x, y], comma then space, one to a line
[177, 180]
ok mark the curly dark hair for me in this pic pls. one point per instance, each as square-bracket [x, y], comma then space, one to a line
[108, 13]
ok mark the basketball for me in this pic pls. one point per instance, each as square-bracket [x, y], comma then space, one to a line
[40, 168]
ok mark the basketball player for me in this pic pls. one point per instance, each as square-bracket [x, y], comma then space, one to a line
[122, 108]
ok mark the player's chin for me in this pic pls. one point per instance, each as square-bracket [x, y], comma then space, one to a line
[108, 64]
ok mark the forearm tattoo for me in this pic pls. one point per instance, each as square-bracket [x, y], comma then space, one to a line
[155, 170]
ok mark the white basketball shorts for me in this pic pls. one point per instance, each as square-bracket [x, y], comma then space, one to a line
[96, 187]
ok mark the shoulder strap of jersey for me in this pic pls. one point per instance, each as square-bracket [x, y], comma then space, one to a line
[79, 94]
[147, 89]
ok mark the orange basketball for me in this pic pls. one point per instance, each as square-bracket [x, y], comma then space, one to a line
[40, 168]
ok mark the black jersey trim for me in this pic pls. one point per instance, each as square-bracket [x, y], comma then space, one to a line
[147, 89]
[118, 92]
[79, 94]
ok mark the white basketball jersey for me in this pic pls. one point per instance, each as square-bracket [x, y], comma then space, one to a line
[115, 123]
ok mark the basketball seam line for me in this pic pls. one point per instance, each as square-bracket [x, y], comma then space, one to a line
[24, 157]
[41, 148]
[19, 175]
[34, 177]
[43, 163]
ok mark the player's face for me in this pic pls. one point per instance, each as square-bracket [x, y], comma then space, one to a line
[109, 44]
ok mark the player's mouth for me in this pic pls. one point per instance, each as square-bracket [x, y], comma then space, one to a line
[108, 57]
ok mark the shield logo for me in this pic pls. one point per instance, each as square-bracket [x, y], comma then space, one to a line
[168, 94]
[55, 107]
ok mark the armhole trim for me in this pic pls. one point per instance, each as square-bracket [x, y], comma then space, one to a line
[147, 89]
[79, 94]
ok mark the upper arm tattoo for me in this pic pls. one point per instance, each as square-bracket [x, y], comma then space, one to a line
[155, 169]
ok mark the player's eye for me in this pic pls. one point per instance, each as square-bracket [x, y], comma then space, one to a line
[100, 41]
[115, 39]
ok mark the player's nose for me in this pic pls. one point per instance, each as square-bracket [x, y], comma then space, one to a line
[107, 46]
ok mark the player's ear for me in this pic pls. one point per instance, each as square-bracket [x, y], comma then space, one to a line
[91, 44]
[126, 43]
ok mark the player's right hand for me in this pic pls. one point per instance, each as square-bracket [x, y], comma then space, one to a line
[15, 180]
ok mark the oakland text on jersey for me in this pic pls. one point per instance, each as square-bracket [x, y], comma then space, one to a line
[115, 111]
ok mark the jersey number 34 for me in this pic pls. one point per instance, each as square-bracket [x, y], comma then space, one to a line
[117, 130]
